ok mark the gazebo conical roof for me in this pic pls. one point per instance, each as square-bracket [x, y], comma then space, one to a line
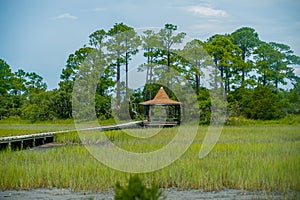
[161, 98]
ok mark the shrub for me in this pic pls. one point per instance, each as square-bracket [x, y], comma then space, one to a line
[136, 190]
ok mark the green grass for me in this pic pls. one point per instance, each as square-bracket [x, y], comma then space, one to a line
[21, 129]
[17, 120]
[245, 157]
[11, 127]
[16, 126]
[241, 121]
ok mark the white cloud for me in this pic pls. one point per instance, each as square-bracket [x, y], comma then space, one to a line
[66, 16]
[205, 11]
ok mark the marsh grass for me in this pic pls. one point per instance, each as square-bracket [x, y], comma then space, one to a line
[245, 157]
[11, 127]
[20, 129]
[242, 121]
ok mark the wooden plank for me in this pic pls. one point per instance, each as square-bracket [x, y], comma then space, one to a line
[160, 124]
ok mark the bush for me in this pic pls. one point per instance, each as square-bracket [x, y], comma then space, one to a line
[136, 190]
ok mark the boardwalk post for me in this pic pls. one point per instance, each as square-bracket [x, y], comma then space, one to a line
[33, 142]
[21, 144]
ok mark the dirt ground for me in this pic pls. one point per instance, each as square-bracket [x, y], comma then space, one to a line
[65, 194]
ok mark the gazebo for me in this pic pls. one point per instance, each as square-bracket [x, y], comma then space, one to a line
[161, 111]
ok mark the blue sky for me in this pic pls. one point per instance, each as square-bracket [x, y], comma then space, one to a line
[39, 35]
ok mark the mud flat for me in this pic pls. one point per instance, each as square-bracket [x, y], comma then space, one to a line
[63, 194]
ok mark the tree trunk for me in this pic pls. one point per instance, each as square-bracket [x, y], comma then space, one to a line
[126, 73]
[264, 79]
[227, 86]
[150, 80]
[197, 77]
[168, 71]
[276, 78]
[197, 83]
[118, 82]
[222, 76]
[147, 78]
[243, 70]
[243, 78]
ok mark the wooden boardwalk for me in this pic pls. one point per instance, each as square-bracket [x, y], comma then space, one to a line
[31, 140]
[160, 124]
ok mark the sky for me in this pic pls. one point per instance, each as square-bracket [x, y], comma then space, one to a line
[38, 36]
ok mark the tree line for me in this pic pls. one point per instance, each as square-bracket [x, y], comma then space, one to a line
[253, 73]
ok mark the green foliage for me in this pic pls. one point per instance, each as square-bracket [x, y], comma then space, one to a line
[262, 103]
[39, 107]
[16, 89]
[73, 63]
[293, 101]
[61, 104]
[6, 77]
[247, 39]
[252, 73]
[196, 58]
[136, 190]
[97, 38]
[226, 57]
[272, 61]
[204, 105]
[103, 106]
[122, 44]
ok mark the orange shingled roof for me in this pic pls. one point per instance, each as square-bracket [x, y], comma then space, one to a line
[161, 98]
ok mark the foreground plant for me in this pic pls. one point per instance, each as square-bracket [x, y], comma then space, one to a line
[136, 190]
